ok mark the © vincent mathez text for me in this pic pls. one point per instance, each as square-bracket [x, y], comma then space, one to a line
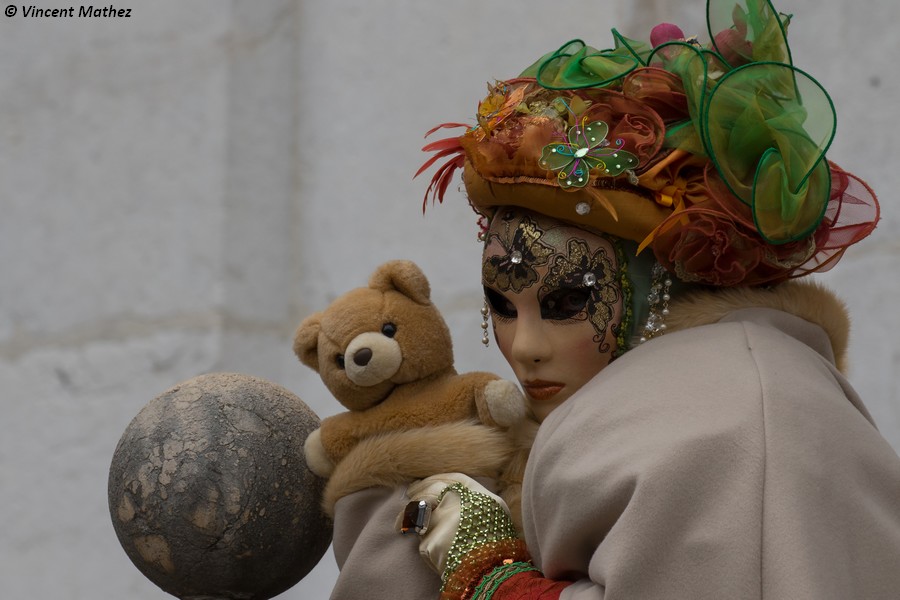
[83, 11]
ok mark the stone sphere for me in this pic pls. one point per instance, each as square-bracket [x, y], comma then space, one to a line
[209, 492]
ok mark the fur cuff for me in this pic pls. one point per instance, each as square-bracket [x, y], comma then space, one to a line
[399, 457]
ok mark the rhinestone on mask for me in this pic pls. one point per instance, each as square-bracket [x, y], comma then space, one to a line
[515, 257]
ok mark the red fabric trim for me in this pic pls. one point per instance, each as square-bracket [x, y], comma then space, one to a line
[530, 586]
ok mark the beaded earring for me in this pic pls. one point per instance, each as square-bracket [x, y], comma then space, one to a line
[485, 339]
[658, 300]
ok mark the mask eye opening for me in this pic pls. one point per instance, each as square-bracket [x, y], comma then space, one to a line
[564, 303]
[499, 305]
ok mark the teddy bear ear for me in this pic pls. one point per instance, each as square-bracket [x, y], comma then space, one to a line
[404, 276]
[306, 341]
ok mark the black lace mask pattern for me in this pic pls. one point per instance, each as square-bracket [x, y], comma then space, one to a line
[579, 268]
[524, 251]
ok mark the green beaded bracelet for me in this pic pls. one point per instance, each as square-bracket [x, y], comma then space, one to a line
[481, 520]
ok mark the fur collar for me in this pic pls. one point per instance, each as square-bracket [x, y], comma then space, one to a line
[804, 299]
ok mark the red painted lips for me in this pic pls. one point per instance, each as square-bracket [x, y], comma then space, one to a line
[539, 389]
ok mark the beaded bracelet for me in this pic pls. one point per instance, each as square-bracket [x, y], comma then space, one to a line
[481, 521]
[489, 584]
[480, 563]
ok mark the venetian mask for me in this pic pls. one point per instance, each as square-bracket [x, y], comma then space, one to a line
[555, 293]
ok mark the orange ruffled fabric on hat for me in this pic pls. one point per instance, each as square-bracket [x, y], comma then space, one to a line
[723, 173]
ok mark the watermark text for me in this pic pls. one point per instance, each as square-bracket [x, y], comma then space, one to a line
[72, 12]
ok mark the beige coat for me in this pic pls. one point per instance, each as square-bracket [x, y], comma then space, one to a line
[726, 460]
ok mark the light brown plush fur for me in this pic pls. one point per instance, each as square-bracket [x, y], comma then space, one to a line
[509, 482]
[399, 457]
[441, 398]
[395, 429]
[805, 299]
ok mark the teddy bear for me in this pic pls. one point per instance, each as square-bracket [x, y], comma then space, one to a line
[385, 353]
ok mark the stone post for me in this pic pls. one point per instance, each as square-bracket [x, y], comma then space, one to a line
[209, 492]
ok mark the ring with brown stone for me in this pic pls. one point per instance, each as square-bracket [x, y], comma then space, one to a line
[416, 517]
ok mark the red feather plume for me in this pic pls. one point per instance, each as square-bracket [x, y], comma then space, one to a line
[444, 175]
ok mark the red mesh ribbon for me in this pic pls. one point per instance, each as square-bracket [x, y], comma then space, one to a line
[530, 586]
[659, 89]
[715, 242]
[481, 562]
[852, 214]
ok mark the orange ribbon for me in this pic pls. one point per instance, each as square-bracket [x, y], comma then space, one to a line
[670, 196]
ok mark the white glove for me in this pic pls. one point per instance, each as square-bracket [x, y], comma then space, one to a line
[438, 535]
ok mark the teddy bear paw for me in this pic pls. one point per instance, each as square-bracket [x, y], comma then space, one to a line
[316, 458]
[505, 402]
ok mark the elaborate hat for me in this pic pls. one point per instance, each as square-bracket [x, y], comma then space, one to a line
[713, 157]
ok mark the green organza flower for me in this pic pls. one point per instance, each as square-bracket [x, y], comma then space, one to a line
[586, 149]
[764, 124]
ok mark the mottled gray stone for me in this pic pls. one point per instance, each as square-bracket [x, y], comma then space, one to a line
[209, 492]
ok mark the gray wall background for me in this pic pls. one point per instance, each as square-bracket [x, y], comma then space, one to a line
[179, 189]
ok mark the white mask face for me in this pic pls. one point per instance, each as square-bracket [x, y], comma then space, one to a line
[555, 296]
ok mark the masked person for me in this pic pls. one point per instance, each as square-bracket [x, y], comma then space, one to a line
[645, 212]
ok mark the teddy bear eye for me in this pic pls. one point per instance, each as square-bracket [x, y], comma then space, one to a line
[389, 329]
[339, 359]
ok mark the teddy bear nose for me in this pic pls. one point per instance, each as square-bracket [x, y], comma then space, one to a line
[362, 356]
